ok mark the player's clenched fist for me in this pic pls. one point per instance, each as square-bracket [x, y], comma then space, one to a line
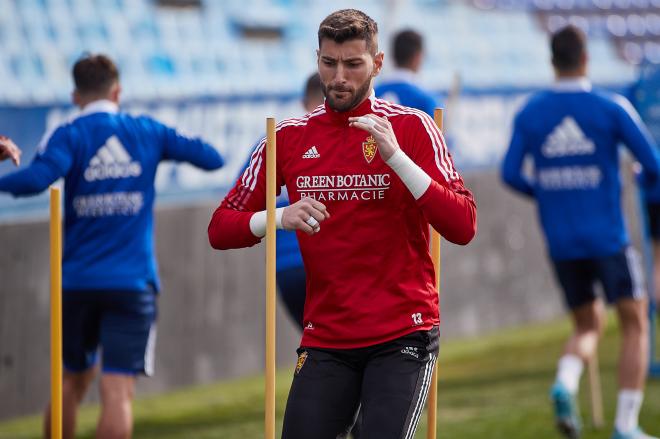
[306, 215]
[8, 149]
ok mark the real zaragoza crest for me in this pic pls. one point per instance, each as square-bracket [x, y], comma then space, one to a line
[301, 361]
[369, 148]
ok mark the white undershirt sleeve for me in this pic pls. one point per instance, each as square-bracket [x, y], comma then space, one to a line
[415, 178]
[258, 222]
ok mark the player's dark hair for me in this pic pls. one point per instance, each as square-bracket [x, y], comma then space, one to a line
[568, 46]
[349, 24]
[406, 45]
[94, 74]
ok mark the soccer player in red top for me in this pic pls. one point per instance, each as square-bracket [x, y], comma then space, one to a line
[365, 179]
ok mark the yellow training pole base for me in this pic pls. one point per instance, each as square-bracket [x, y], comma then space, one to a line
[595, 393]
[270, 278]
[55, 314]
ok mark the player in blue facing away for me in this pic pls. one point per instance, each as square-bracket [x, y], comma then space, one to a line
[108, 160]
[399, 86]
[572, 134]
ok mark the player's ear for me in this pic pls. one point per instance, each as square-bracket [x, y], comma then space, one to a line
[115, 91]
[417, 60]
[75, 98]
[378, 63]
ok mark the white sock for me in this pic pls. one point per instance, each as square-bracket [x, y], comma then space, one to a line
[569, 371]
[627, 410]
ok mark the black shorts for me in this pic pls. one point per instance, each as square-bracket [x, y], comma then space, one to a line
[388, 383]
[653, 218]
[620, 275]
[121, 323]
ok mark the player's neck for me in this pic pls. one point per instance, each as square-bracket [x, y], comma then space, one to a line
[84, 102]
[366, 98]
[580, 72]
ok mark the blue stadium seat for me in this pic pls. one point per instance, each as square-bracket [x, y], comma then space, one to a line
[201, 51]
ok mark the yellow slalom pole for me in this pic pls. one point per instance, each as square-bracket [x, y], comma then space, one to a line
[270, 277]
[55, 314]
[595, 392]
[432, 406]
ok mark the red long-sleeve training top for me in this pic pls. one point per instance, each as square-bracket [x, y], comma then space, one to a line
[370, 277]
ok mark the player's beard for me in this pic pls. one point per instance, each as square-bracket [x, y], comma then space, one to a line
[358, 95]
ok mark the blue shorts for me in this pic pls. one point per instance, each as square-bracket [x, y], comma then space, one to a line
[121, 323]
[292, 285]
[620, 276]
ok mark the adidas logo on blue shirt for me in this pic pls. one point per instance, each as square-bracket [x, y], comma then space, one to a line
[567, 139]
[112, 161]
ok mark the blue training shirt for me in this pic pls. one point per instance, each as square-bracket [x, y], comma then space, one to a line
[108, 160]
[572, 134]
[399, 88]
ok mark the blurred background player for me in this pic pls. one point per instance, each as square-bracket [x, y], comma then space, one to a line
[108, 160]
[400, 86]
[9, 150]
[645, 95]
[290, 269]
[371, 318]
[572, 133]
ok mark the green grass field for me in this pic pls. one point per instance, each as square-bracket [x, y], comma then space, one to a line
[493, 387]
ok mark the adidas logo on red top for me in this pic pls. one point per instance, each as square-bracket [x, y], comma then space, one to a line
[311, 153]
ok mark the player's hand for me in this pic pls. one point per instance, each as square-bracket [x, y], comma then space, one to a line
[381, 129]
[306, 215]
[8, 149]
